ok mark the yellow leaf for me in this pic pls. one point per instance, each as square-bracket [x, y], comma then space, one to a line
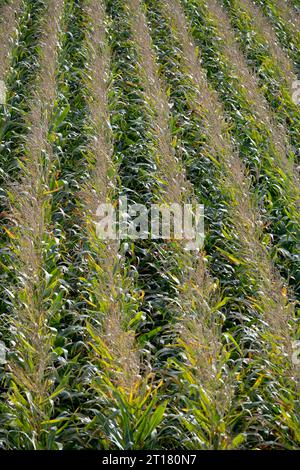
[284, 291]
[11, 235]
[258, 381]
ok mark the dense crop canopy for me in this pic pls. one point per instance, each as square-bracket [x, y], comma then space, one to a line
[144, 343]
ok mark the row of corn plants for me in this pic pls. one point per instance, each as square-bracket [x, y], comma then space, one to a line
[277, 194]
[156, 282]
[68, 135]
[8, 22]
[24, 65]
[186, 332]
[170, 64]
[31, 373]
[287, 35]
[156, 263]
[13, 129]
[120, 408]
[276, 89]
[209, 385]
[19, 80]
[93, 333]
[267, 31]
[169, 435]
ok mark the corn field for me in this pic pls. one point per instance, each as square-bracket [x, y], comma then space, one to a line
[142, 344]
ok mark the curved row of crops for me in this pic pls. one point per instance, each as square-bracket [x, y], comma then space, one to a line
[287, 35]
[271, 76]
[245, 280]
[141, 344]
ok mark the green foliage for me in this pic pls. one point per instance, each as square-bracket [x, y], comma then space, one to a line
[287, 35]
[274, 86]
[237, 279]
[275, 190]
[120, 347]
